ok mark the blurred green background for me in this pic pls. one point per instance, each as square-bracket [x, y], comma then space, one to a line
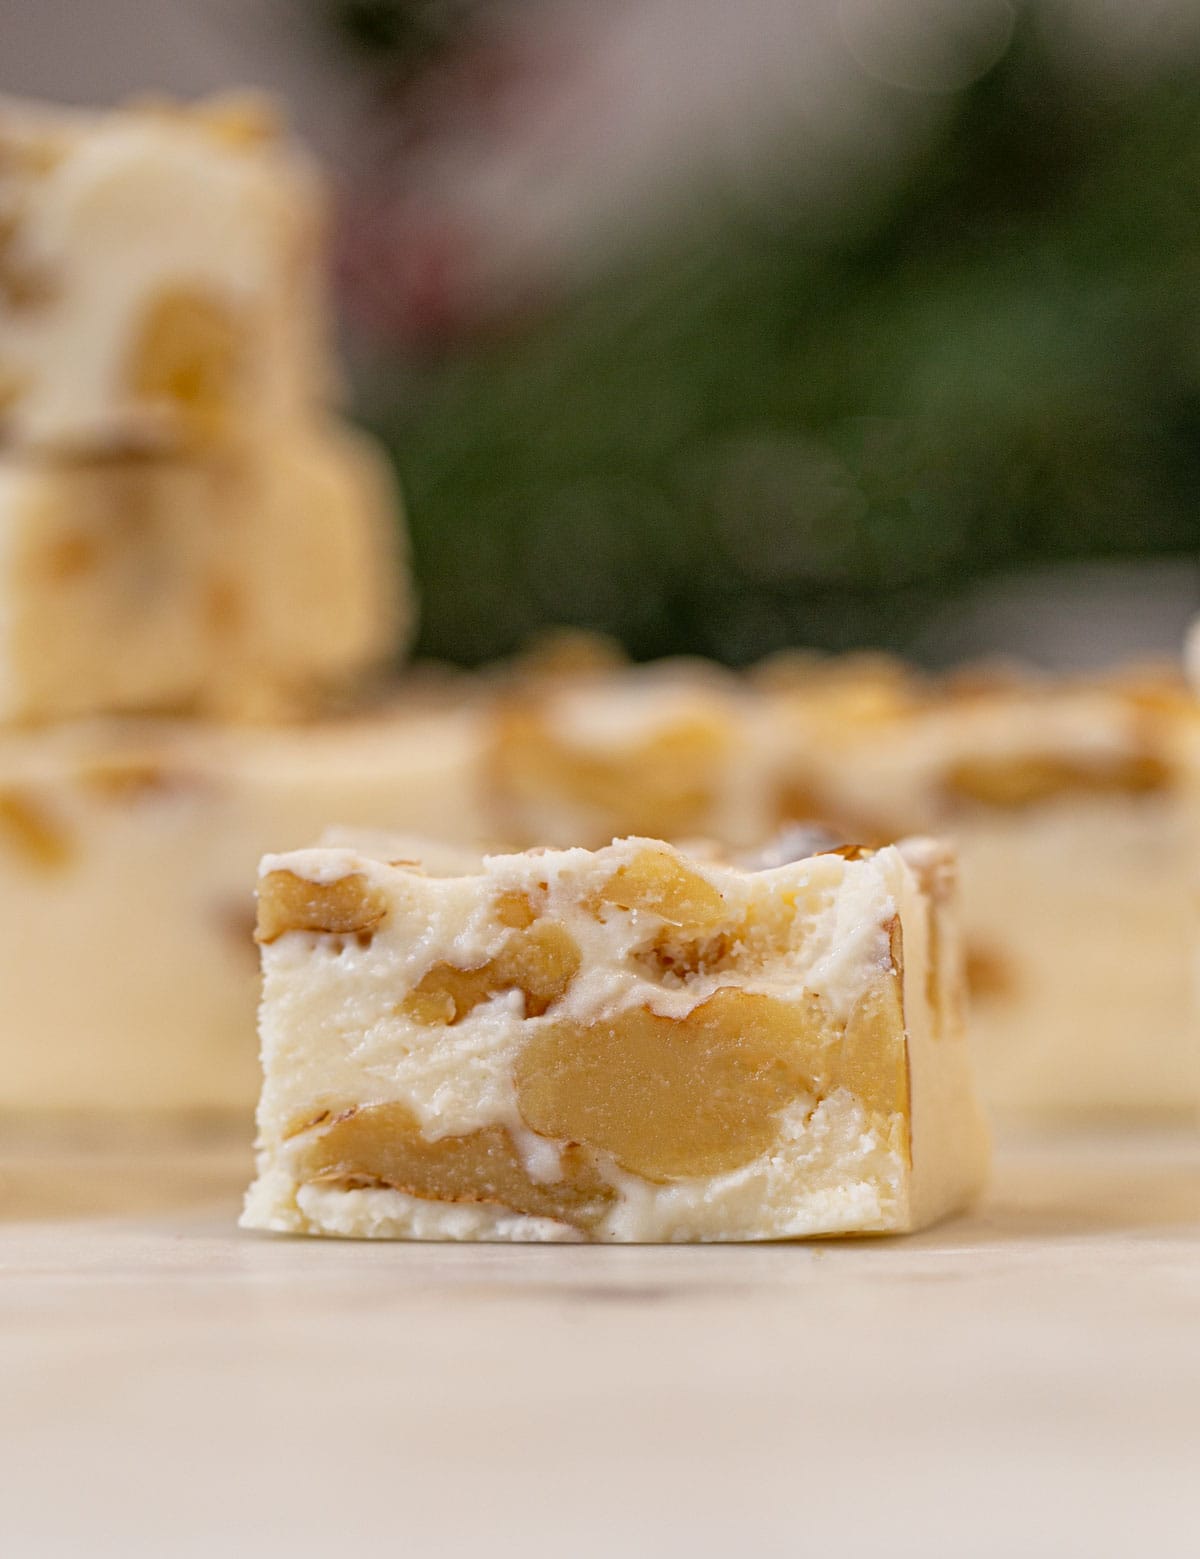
[757, 429]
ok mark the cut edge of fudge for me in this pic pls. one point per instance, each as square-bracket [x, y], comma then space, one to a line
[627, 1044]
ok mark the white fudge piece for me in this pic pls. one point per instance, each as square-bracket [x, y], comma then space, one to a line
[664, 750]
[628, 1044]
[127, 859]
[161, 276]
[246, 583]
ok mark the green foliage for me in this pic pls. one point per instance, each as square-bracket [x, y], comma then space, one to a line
[400, 32]
[763, 435]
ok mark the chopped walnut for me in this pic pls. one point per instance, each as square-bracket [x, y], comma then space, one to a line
[658, 883]
[128, 776]
[871, 1061]
[540, 961]
[189, 351]
[671, 1098]
[991, 974]
[348, 905]
[33, 832]
[663, 787]
[1012, 782]
[69, 557]
[699, 1095]
[516, 910]
[12, 387]
[381, 1145]
[22, 284]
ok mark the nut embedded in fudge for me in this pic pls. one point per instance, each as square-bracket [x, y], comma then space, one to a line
[621, 1044]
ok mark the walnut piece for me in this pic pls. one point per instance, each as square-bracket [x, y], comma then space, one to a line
[70, 556]
[381, 1145]
[540, 961]
[1025, 780]
[12, 386]
[990, 973]
[699, 1095]
[129, 776]
[33, 832]
[657, 882]
[663, 787]
[701, 933]
[189, 351]
[343, 907]
[516, 910]
[872, 1059]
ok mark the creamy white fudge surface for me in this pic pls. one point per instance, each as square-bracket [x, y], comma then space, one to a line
[628, 1044]
[1067, 803]
[127, 859]
[161, 275]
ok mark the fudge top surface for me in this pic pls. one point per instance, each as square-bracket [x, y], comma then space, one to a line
[342, 850]
[1132, 729]
[36, 137]
[828, 912]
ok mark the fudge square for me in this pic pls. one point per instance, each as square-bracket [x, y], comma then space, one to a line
[244, 584]
[626, 1044]
[162, 275]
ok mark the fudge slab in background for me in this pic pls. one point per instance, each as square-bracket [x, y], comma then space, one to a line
[161, 277]
[622, 1045]
[127, 859]
[238, 584]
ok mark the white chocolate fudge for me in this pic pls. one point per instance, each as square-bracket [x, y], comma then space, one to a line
[236, 584]
[161, 276]
[629, 1044]
[664, 750]
[127, 859]
[1066, 803]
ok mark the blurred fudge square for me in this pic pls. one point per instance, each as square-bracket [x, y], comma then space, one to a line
[127, 858]
[233, 584]
[630, 1044]
[578, 756]
[161, 275]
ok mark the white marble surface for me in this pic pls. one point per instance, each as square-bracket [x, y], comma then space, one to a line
[1024, 1381]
